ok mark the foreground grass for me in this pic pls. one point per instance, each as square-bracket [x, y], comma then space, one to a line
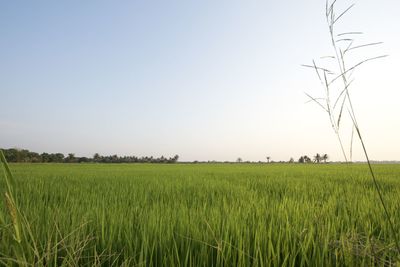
[204, 215]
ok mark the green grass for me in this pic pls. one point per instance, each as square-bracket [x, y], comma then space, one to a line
[202, 215]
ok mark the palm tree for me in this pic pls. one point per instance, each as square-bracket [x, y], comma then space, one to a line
[317, 158]
[306, 159]
[325, 157]
[268, 158]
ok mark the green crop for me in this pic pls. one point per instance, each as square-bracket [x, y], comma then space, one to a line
[200, 215]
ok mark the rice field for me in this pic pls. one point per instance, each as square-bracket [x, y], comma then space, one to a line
[200, 215]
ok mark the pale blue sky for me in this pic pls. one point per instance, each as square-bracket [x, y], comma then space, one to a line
[208, 80]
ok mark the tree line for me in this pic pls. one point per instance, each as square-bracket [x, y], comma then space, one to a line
[24, 155]
[316, 159]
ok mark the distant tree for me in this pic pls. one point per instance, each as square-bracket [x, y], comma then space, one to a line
[71, 157]
[96, 157]
[325, 157]
[239, 160]
[10, 154]
[45, 157]
[83, 160]
[59, 157]
[304, 159]
[173, 159]
[162, 159]
[34, 157]
[291, 160]
[114, 158]
[268, 158]
[317, 158]
[23, 155]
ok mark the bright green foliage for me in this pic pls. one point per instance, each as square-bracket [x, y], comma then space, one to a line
[202, 215]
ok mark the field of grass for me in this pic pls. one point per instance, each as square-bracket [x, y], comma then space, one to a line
[201, 215]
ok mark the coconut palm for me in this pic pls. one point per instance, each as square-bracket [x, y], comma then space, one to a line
[317, 158]
[325, 157]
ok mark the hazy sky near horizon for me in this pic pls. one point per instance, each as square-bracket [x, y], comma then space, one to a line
[208, 80]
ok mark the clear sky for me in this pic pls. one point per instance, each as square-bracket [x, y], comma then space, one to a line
[208, 80]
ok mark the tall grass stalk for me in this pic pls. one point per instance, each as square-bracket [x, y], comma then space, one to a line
[340, 78]
[26, 249]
